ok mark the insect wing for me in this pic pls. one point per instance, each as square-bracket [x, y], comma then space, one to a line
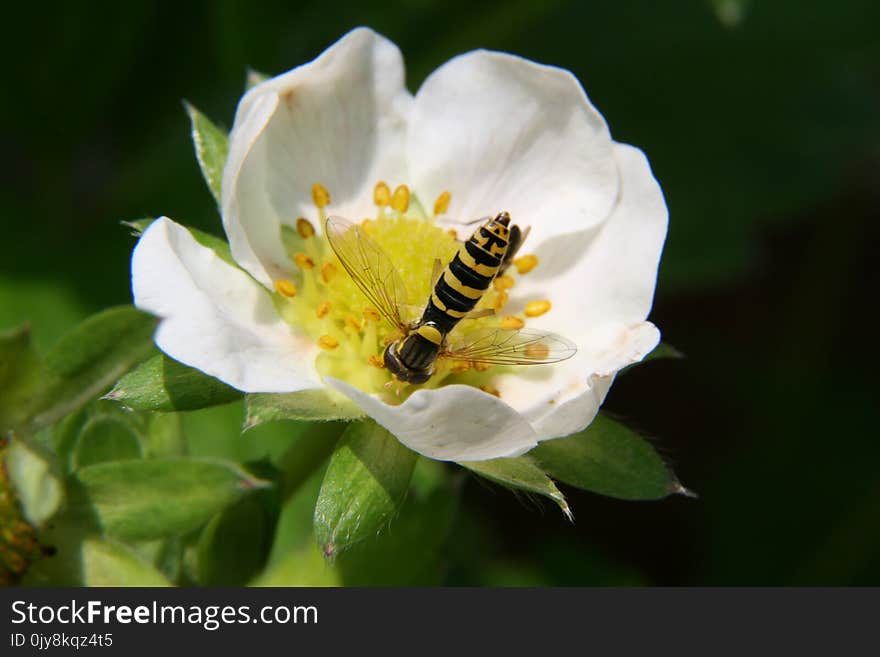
[369, 267]
[512, 347]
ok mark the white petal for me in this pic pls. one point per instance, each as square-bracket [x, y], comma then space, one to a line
[502, 133]
[452, 423]
[339, 121]
[215, 317]
[607, 274]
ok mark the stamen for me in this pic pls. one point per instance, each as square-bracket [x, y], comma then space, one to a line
[381, 194]
[376, 361]
[285, 288]
[322, 309]
[328, 271]
[352, 321]
[481, 367]
[512, 322]
[504, 282]
[303, 261]
[320, 195]
[328, 342]
[304, 228]
[500, 300]
[537, 308]
[525, 264]
[441, 205]
[452, 233]
[460, 366]
[400, 199]
[370, 313]
[367, 226]
[491, 390]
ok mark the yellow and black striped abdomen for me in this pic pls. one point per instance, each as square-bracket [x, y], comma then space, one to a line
[465, 279]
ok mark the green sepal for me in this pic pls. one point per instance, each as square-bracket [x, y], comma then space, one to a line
[364, 486]
[211, 147]
[662, 351]
[159, 498]
[520, 473]
[22, 372]
[306, 405]
[610, 459]
[163, 384]
[253, 79]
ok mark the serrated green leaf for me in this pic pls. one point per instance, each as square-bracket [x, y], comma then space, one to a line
[363, 488]
[86, 361]
[146, 500]
[307, 405]
[520, 473]
[234, 544]
[109, 563]
[36, 480]
[163, 384]
[610, 459]
[211, 146]
[106, 438]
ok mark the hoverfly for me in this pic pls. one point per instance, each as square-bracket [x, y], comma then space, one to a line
[456, 290]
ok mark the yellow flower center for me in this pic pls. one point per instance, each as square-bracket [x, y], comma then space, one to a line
[322, 301]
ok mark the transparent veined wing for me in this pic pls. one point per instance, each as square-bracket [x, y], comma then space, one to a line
[369, 267]
[511, 347]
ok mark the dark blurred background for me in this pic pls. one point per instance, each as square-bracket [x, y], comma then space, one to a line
[761, 123]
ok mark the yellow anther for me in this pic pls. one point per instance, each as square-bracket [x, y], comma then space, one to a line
[512, 322]
[353, 322]
[381, 194]
[322, 309]
[537, 308]
[452, 233]
[285, 288]
[303, 261]
[441, 205]
[376, 361]
[537, 351]
[328, 271]
[525, 264]
[367, 225]
[372, 314]
[304, 228]
[491, 390]
[320, 195]
[481, 367]
[500, 300]
[460, 366]
[328, 342]
[400, 198]
[503, 282]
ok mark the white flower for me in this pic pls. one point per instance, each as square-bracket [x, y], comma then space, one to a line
[498, 133]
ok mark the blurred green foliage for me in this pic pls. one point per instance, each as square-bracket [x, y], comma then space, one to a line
[761, 122]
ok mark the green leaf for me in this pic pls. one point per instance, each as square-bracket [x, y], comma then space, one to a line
[106, 438]
[610, 459]
[145, 500]
[234, 544]
[520, 473]
[21, 374]
[87, 360]
[363, 488]
[163, 384]
[307, 405]
[108, 563]
[211, 146]
[35, 479]
[165, 435]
